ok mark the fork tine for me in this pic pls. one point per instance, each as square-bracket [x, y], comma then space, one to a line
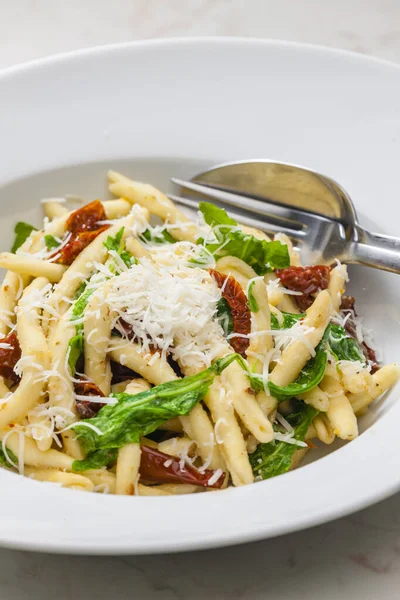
[292, 216]
[297, 234]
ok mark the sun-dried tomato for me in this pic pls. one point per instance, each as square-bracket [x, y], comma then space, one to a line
[83, 227]
[9, 356]
[348, 304]
[158, 467]
[86, 218]
[241, 317]
[86, 408]
[307, 280]
[121, 373]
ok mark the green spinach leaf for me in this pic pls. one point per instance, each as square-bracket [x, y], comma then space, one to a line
[96, 460]
[162, 237]
[137, 415]
[75, 344]
[289, 319]
[309, 377]
[22, 232]
[51, 242]
[75, 348]
[252, 302]
[224, 316]
[261, 255]
[3, 460]
[342, 346]
[275, 458]
[117, 245]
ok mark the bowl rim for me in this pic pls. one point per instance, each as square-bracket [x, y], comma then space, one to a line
[191, 40]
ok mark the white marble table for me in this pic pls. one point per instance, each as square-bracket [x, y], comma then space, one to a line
[357, 557]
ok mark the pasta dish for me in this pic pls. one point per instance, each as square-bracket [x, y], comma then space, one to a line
[144, 353]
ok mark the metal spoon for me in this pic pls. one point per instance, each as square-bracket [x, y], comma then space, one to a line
[294, 186]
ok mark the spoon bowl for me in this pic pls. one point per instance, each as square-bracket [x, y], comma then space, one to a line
[285, 184]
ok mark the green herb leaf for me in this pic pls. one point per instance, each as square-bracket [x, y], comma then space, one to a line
[137, 415]
[261, 255]
[275, 458]
[96, 460]
[3, 460]
[289, 319]
[343, 346]
[79, 308]
[117, 245]
[253, 304]
[113, 243]
[161, 237]
[309, 377]
[75, 348]
[75, 344]
[217, 217]
[224, 316]
[51, 242]
[22, 232]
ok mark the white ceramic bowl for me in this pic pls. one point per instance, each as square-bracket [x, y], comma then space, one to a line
[162, 108]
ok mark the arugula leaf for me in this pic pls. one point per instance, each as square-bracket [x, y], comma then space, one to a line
[342, 346]
[162, 237]
[22, 232]
[289, 319]
[96, 460]
[80, 306]
[3, 460]
[224, 316]
[75, 347]
[217, 217]
[275, 458]
[261, 255]
[80, 290]
[253, 304]
[117, 244]
[137, 415]
[75, 344]
[309, 377]
[51, 242]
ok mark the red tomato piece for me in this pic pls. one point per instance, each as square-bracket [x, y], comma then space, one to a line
[9, 357]
[88, 409]
[83, 227]
[158, 467]
[307, 280]
[241, 317]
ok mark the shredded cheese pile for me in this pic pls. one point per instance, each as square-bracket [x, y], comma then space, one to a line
[170, 307]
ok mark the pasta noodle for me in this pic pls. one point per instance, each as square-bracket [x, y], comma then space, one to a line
[337, 284]
[69, 480]
[382, 380]
[28, 265]
[170, 356]
[54, 210]
[153, 200]
[295, 356]
[339, 412]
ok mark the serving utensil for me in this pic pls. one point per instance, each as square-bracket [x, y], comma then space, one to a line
[313, 209]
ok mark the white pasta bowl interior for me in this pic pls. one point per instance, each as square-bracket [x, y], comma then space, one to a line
[153, 110]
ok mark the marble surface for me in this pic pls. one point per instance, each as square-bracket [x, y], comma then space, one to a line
[358, 556]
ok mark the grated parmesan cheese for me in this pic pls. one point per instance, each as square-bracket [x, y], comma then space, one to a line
[170, 306]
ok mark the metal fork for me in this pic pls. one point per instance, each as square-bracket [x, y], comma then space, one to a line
[320, 239]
